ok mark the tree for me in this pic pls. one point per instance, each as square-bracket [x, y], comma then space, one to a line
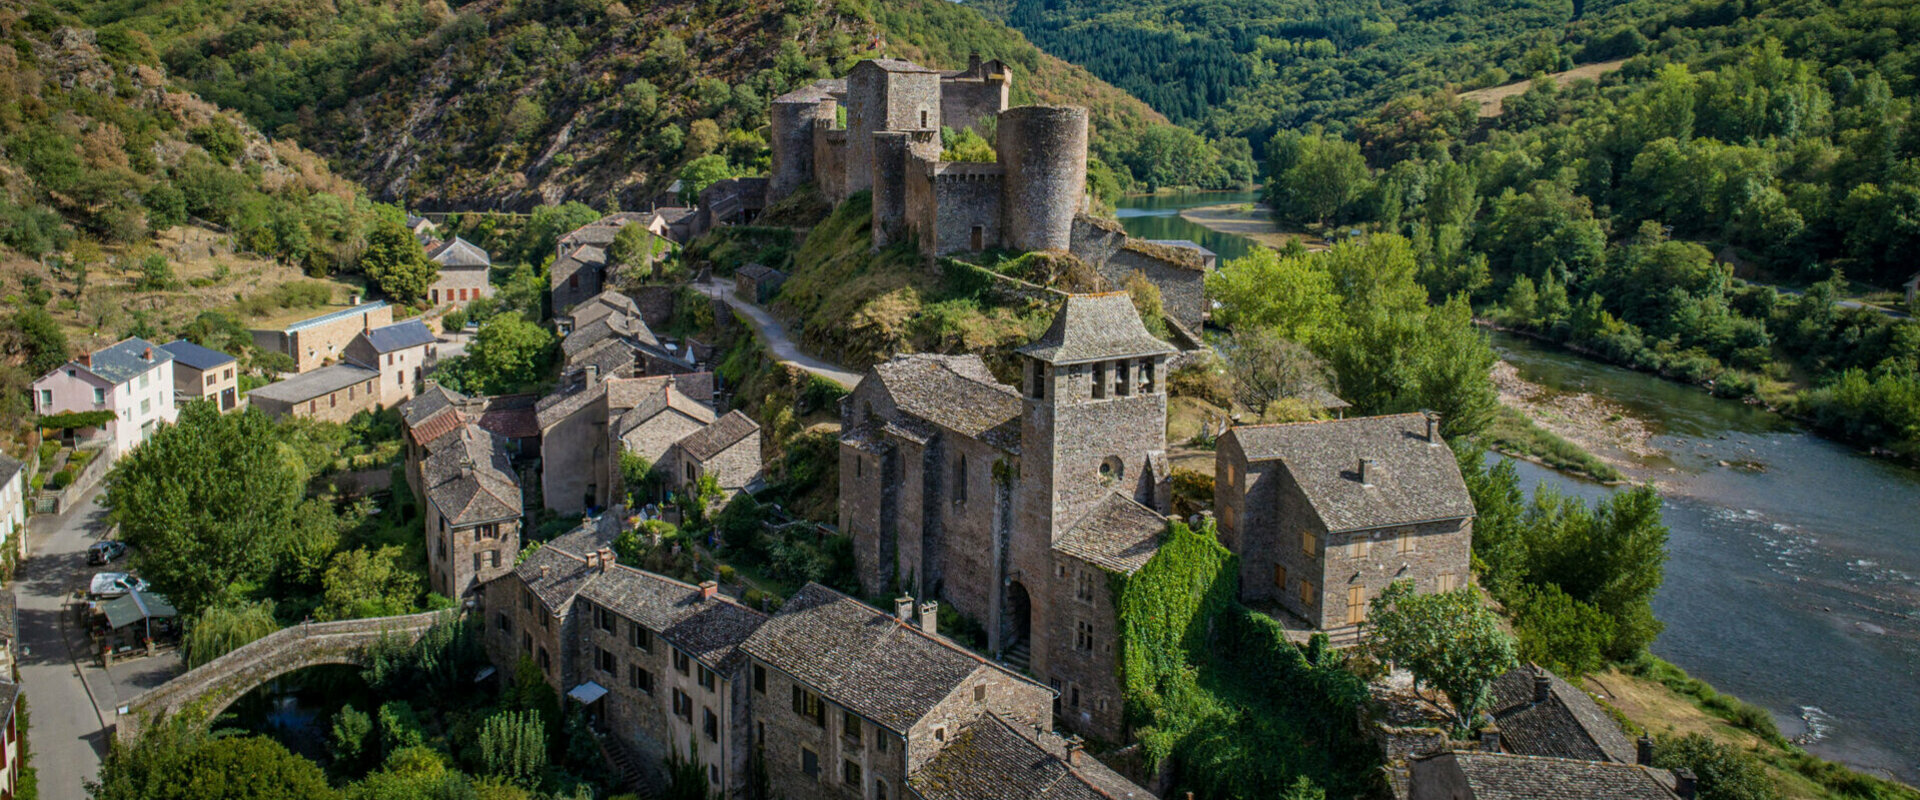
[1266, 368]
[368, 583]
[210, 505]
[508, 352]
[1327, 173]
[155, 274]
[1723, 772]
[39, 339]
[1450, 641]
[1288, 294]
[219, 630]
[396, 264]
[1564, 634]
[701, 173]
[513, 745]
[176, 760]
[347, 739]
[634, 245]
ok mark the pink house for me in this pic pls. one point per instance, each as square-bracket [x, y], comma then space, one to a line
[132, 378]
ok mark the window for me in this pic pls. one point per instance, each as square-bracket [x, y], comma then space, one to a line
[228, 373]
[706, 679]
[1083, 586]
[960, 480]
[1146, 375]
[1120, 385]
[546, 622]
[1083, 636]
[709, 724]
[640, 637]
[210, 380]
[850, 773]
[1404, 544]
[146, 406]
[681, 663]
[526, 600]
[924, 121]
[1447, 583]
[980, 693]
[607, 663]
[713, 775]
[1073, 697]
[573, 281]
[389, 359]
[940, 734]
[603, 618]
[1356, 605]
[807, 704]
[1307, 596]
[526, 642]
[476, 562]
[46, 398]
[1099, 380]
[682, 705]
[1280, 575]
[640, 679]
[809, 762]
[143, 380]
[1309, 544]
[333, 399]
[880, 742]
[501, 621]
[1229, 517]
[759, 679]
[546, 661]
[1361, 547]
[850, 727]
[495, 558]
[99, 396]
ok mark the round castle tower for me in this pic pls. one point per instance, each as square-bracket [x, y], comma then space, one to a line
[792, 121]
[1043, 152]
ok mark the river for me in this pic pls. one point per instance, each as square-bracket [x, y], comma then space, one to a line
[1793, 579]
[1157, 216]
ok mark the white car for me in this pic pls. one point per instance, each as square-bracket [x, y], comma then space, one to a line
[114, 584]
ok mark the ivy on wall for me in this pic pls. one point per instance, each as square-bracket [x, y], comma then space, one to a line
[1216, 689]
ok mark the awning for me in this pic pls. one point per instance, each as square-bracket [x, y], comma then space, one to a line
[485, 673]
[133, 607]
[588, 692]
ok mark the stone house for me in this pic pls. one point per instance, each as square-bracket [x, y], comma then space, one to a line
[727, 449]
[1008, 760]
[1483, 776]
[402, 353]
[438, 411]
[580, 265]
[1010, 504]
[1326, 515]
[663, 415]
[578, 460]
[317, 341]
[529, 610]
[1537, 713]
[13, 506]
[464, 267]
[473, 505]
[133, 378]
[756, 283]
[201, 373]
[662, 661]
[328, 394]
[423, 229]
[848, 701]
[598, 307]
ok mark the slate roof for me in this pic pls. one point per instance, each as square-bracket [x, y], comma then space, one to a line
[586, 336]
[602, 304]
[709, 630]
[9, 701]
[620, 394]
[1568, 724]
[815, 92]
[336, 315]
[954, 392]
[9, 467]
[126, 359]
[511, 416]
[399, 336]
[590, 535]
[470, 481]
[458, 252]
[760, 272]
[316, 383]
[1410, 480]
[719, 435]
[195, 356]
[897, 65]
[554, 575]
[1118, 534]
[1096, 327]
[862, 659]
[1007, 760]
[584, 255]
[1497, 776]
[430, 401]
[611, 356]
[660, 395]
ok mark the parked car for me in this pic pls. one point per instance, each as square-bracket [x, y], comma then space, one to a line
[114, 584]
[106, 552]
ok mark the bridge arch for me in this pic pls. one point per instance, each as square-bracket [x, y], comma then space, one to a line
[206, 691]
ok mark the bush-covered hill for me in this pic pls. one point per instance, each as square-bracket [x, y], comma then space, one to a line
[510, 104]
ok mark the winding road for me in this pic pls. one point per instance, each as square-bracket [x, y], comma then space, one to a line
[775, 335]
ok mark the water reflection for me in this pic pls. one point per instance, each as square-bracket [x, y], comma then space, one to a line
[1157, 216]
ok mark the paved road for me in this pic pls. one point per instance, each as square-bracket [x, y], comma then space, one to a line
[775, 335]
[68, 732]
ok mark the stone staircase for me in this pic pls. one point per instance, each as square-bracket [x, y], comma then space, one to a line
[634, 774]
[1019, 656]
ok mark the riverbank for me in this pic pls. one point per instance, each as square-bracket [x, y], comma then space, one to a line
[1251, 220]
[1569, 431]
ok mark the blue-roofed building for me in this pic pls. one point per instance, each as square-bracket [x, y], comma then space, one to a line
[203, 373]
[132, 378]
[403, 354]
[317, 341]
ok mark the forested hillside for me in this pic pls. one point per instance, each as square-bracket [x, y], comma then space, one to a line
[1648, 218]
[1248, 68]
[506, 104]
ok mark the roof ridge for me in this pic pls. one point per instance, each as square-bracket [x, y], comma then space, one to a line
[935, 638]
[1305, 422]
[721, 596]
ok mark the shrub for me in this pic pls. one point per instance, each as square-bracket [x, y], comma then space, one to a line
[1724, 773]
[1201, 380]
[1564, 634]
[61, 480]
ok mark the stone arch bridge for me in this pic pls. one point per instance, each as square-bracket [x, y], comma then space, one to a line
[208, 689]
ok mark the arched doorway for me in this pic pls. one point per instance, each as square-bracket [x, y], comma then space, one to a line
[1017, 626]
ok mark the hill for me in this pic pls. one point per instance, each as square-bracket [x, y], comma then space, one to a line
[506, 105]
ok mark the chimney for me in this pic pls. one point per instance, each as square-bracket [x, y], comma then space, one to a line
[930, 617]
[1433, 427]
[593, 560]
[1683, 783]
[708, 589]
[607, 558]
[1489, 736]
[544, 571]
[148, 355]
[86, 360]
[1076, 751]
[973, 62]
[1366, 468]
[1643, 752]
[593, 374]
[1542, 685]
[903, 608]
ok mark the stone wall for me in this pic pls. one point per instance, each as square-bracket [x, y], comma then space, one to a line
[519, 626]
[1360, 565]
[971, 97]
[785, 736]
[1084, 666]
[987, 689]
[656, 305]
[645, 719]
[861, 496]
[830, 160]
[1179, 274]
[459, 285]
[791, 123]
[1043, 150]
[336, 406]
[574, 459]
[964, 211]
[889, 188]
[459, 560]
[1095, 240]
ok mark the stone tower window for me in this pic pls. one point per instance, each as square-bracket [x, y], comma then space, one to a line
[1121, 387]
[960, 480]
[1112, 469]
[1099, 380]
[1146, 375]
[925, 119]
